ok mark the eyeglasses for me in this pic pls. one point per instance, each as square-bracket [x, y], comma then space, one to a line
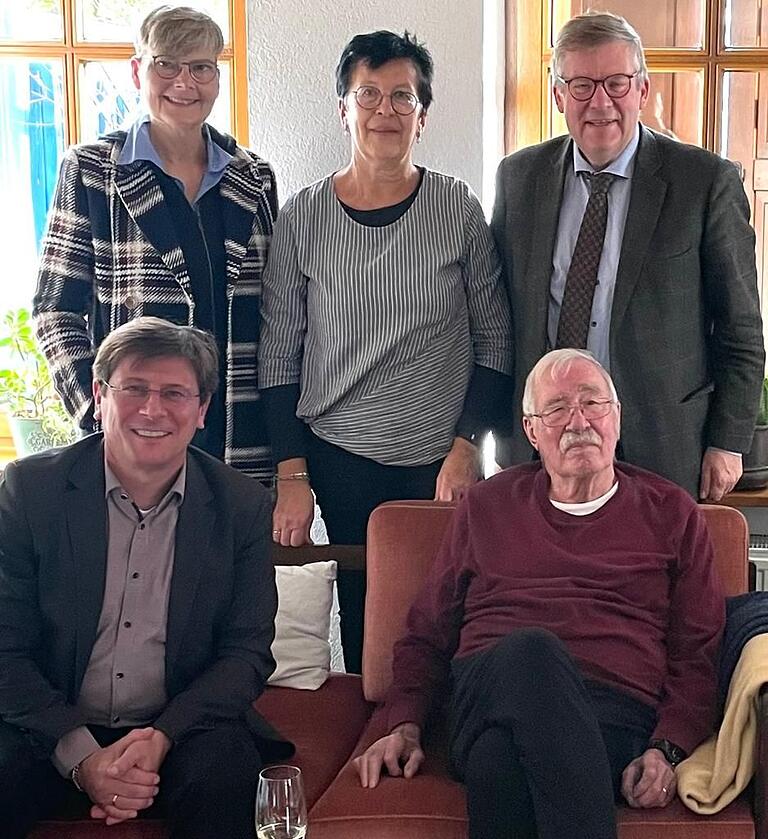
[591, 409]
[169, 68]
[140, 393]
[582, 88]
[369, 98]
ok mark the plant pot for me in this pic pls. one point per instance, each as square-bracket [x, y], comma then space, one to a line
[755, 461]
[28, 436]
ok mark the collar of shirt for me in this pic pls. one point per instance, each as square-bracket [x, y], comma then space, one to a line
[176, 490]
[138, 146]
[622, 167]
[584, 508]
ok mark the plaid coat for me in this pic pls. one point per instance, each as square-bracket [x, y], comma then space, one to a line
[111, 254]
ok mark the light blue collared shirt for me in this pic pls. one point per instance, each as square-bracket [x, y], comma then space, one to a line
[138, 146]
[575, 197]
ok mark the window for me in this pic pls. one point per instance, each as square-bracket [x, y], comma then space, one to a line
[708, 62]
[65, 78]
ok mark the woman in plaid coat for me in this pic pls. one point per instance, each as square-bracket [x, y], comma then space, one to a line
[171, 219]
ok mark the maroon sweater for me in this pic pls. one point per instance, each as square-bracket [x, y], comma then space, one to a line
[630, 589]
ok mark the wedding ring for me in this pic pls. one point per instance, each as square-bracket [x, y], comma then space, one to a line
[275, 532]
[114, 798]
[664, 790]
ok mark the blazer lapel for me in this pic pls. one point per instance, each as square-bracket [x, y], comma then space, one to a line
[192, 555]
[86, 517]
[645, 203]
[538, 275]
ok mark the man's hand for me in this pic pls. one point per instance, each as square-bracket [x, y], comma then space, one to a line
[135, 790]
[400, 751]
[141, 758]
[649, 781]
[460, 469]
[719, 473]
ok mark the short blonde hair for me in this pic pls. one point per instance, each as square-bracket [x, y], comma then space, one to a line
[178, 30]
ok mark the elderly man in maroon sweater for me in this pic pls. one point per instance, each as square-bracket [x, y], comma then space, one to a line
[575, 615]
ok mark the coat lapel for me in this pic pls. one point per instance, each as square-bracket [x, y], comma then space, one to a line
[86, 517]
[645, 203]
[139, 190]
[549, 185]
[192, 556]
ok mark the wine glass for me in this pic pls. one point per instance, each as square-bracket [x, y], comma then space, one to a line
[281, 810]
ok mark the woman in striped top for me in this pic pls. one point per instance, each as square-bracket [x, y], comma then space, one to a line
[385, 344]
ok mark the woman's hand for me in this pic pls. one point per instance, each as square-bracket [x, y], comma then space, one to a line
[460, 469]
[293, 513]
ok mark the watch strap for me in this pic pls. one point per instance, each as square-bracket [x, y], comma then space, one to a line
[672, 752]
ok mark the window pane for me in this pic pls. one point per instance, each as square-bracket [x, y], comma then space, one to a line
[745, 24]
[32, 139]
[110, 101]
[33, 20]
[675, 107]
[660, 23]
[117, 20]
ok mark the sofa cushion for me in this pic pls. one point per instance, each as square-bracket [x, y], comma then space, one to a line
[324, 724]
[301, 647]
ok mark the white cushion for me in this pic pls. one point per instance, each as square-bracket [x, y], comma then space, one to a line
[301, 648]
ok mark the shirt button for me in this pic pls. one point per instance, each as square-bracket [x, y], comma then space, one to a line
[142, 526]
[135, 575]
[594, 323]
[119, 675]
[115, 719]
[127, 624]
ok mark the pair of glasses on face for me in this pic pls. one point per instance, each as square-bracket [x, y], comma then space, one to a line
[168, 68]
[582, 88]
[140, 393]
[560, 415]
[369, 98]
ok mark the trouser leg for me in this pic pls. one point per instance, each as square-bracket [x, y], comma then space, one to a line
[529, 685]
[208, 784]
[30, 787]
[498, 799]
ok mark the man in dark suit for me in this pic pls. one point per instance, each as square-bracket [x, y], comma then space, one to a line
[137, 604]
[662, 288]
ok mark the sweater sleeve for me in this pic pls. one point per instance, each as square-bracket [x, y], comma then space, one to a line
[686, 714]
[422, 658]
[286, 431]
[486, 403]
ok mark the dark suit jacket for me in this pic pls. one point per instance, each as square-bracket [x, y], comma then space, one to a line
[53, 551]
[686, 339]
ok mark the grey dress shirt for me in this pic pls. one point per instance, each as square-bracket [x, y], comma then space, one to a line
[124, 683]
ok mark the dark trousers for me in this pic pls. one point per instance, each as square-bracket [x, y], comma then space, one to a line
[540, 750]
[348, 488]
[207, 784]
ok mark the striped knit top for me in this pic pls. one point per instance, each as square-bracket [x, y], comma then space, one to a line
[381, 326]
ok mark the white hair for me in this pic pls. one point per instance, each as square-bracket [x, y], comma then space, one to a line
[554, 363]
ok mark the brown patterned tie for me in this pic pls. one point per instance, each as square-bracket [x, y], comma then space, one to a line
[573, 326]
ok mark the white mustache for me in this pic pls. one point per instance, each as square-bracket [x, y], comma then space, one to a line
[579, 438]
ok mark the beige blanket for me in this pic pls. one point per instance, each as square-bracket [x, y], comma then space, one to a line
[720, 768]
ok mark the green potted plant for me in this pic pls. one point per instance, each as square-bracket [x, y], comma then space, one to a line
[36, 416]
[756, 460]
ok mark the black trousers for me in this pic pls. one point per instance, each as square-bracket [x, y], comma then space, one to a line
[540, 750]
[348, 488]
[207, 784]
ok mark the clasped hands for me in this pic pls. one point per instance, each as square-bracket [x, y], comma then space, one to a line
[123, 778]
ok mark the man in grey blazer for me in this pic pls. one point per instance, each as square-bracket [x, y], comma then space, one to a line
[674, 314]
[137, 604]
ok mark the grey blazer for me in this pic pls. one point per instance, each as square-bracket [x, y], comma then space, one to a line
[53, 550]
[686, 338]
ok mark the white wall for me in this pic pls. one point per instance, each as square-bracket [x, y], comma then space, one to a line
[294, 46]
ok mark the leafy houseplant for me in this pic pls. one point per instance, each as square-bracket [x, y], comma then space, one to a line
[756, 460]
[36, 416]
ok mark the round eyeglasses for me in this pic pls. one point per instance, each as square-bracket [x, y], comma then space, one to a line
[582, 88]
[168, 68]
[559, 415]
[369, 98]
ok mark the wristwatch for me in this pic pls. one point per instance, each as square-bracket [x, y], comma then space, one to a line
[74, 776]
[673, 754]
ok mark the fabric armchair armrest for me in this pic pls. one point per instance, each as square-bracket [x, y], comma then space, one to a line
[761, 770]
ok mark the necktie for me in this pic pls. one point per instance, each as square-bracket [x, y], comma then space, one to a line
[573, 326]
